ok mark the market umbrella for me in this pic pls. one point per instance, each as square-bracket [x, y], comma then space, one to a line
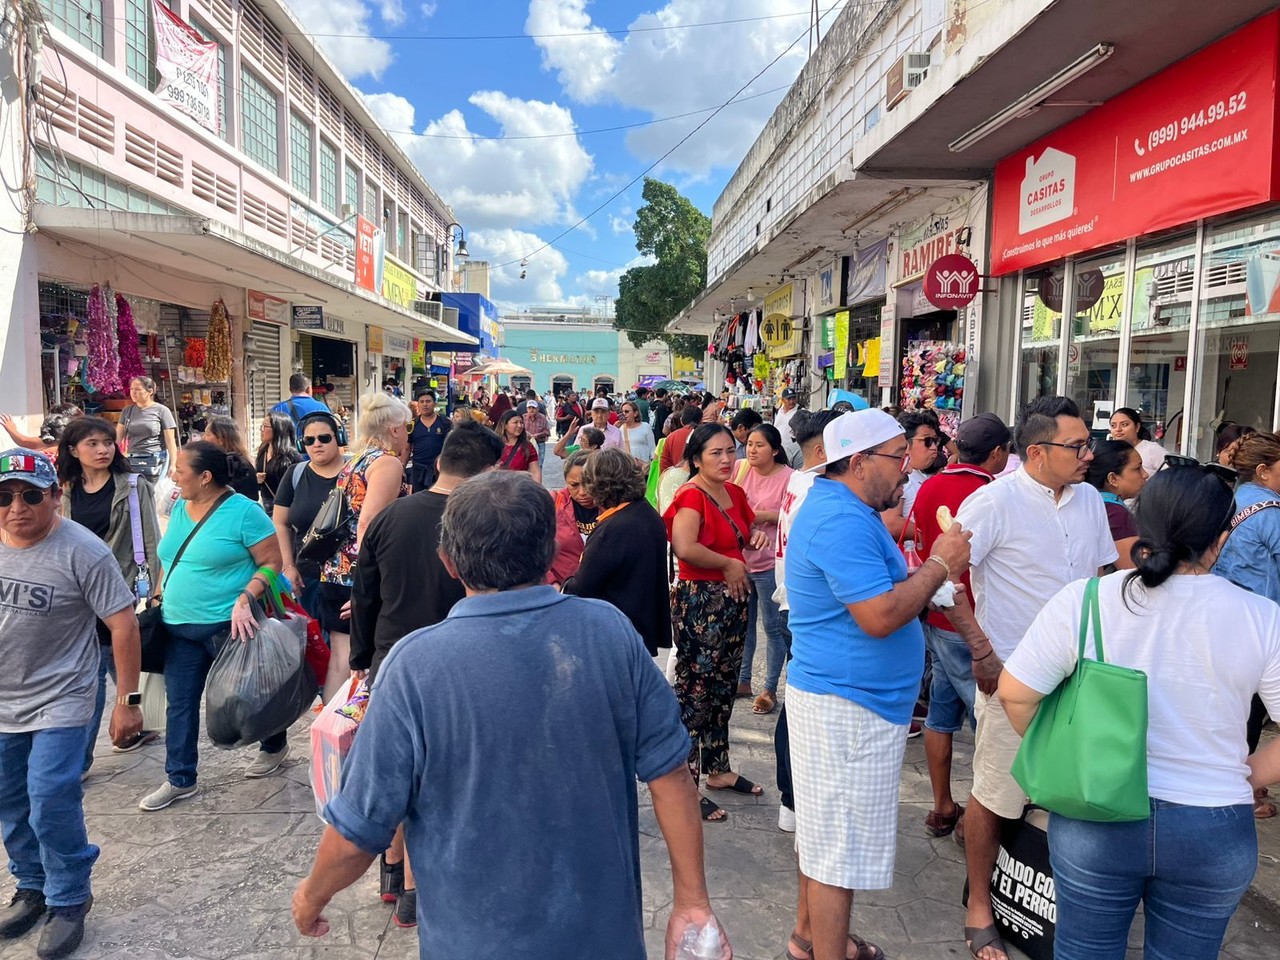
[497, 368]
[671, 386]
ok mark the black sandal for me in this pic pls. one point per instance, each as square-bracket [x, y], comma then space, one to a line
[741, 785]
[390, 880]
[710, 809]
[978, 939]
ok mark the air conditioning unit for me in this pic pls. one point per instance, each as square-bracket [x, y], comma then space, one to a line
[431, 309]
[907, 73]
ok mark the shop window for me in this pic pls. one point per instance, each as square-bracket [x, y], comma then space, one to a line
[81, 20]
[351, 194]
[1238, 342]
[1041, 299]
[139, 59]
[328, 176]
[1097, 303]
[299, 153]
[371, 203]
[259, 121]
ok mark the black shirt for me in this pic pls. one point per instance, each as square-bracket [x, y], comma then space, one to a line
[244, 478]
[625, 563]
[660, 413]
[93, 510]
[401, 584]
[427, 442]
[303, 503]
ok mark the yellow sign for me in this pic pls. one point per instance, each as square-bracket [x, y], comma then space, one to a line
[778, 310]
[373, 339]
[399, 285]
[760, 366]
[871, 360]
[842, 345]
[419, 358]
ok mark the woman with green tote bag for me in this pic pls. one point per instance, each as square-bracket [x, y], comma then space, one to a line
[1192, 857]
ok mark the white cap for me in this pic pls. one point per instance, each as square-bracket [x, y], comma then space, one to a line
[855, 432]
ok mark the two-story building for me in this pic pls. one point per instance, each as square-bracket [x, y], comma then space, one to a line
[205, 159]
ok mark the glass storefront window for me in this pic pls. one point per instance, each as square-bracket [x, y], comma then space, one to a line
[1097, 300]
[1041, 332]
[1239, 329]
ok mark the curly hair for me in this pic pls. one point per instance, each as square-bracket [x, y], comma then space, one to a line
[613, 477]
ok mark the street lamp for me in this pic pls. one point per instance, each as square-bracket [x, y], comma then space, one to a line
[462, 238]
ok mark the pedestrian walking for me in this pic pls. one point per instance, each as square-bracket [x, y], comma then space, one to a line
[537, 428]
[147, 431]
[857, 660]
[782, 420]
[518, 452]
[102, 494]
[637, 436]
[673, 449]
[61, 580]
[709, 524]
[576, 517]
[601, 412]
[277, 453]
[427, 432]
[1034, 531]
[300, 403]
[1190, 862]
[513, 721]
[210, 555]
[225, 433]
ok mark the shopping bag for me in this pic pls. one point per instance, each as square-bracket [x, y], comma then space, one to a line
[1084, 754]
[167, 495]
[331, 737]
[281, 605]
[655, 473]
[258, 687]
[155, 705]
[1023, 897]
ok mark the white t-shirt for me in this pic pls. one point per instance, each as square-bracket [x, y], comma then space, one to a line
[798, 487]
[1026, 547]
[1199, 680]
[782, 420]
[915, 480]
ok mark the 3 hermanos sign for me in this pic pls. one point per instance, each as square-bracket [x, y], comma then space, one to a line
[1195, 140]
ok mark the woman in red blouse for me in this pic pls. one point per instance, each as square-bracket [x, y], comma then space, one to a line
[709, 525]
[518, 453]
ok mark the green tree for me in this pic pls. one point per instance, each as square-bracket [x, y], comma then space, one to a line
[671, 230]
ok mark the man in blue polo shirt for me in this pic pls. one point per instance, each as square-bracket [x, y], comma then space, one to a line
[300, 402]
[857, 658]
[551, 699]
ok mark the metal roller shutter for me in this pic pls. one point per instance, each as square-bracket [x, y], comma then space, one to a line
[262, 371]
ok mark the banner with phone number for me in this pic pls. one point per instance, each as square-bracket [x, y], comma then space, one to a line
[186, 68]
[1195, 140]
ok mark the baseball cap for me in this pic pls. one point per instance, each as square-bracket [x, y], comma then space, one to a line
[788, 393]
[599, 403]
[986, 431]
[855, 432]
[27, 466]
[533, 405]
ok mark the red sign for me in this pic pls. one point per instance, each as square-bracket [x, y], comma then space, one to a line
[951, 282]
[1196, 139]
[263, 306]
[366, 272]
[1240, 353]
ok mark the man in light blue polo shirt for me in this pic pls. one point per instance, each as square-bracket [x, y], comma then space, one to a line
[857, 659]
[300, 402]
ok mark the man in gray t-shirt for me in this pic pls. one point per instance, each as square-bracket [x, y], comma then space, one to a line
[56, 581]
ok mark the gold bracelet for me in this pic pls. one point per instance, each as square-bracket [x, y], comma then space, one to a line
[945, 566]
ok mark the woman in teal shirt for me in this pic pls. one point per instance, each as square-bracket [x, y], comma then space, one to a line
[206, 603]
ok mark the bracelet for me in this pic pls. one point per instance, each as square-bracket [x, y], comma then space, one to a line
[983, 657]
[945, 566]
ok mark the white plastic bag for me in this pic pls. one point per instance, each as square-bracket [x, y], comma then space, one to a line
[155, 704]
[167, 494]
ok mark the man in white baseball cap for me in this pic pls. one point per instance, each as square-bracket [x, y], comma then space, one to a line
[857, 659]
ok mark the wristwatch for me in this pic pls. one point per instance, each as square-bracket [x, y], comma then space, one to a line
[129, 700]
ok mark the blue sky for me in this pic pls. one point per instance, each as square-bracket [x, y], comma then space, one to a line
[565, 72]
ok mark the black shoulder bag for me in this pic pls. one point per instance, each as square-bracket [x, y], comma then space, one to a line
[150, 623]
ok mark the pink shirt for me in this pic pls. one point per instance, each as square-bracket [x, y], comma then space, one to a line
[765, 493]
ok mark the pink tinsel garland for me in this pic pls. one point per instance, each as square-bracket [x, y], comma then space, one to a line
[130, 360]
[103, 373]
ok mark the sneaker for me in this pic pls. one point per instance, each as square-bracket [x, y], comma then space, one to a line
[22, 913]
[63, 931]
[141, 740]
[786, 819]
[166, 795]
[406, 914]
[265, 764]
[390, 880]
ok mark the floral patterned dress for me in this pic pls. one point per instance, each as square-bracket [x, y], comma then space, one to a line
[354, 481]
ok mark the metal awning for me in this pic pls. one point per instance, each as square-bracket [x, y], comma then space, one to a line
[212, 251]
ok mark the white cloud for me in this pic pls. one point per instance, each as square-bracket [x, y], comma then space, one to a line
[605, 282]
[621, 224]
[492, 183]
[342, 31]
[671, 72]
[428, 10]
[391, 11]
[504, 247]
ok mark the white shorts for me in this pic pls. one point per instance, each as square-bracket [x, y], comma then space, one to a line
[995, 745]
[846, 767]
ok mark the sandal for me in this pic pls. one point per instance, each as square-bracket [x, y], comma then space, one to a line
[709, 810]
[939, 825]
[741, 785]
[1264, 808]
[863, 949]
[764, 703]
[978, 939]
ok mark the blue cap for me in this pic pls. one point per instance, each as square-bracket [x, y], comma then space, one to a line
[27, 466]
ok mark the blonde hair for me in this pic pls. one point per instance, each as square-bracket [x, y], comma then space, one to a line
[379, 413]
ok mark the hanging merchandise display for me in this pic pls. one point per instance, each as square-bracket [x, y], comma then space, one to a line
[933, 379]
[217, 366]
[103, 374]
[127, 333]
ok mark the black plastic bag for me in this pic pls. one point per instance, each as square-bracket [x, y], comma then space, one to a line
[258, 687]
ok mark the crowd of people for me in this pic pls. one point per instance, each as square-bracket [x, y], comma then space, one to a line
[562, 647]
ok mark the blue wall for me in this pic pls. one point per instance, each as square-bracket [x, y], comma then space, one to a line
[581, 353]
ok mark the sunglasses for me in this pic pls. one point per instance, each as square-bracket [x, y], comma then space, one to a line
[317, 438]
[31, 497]
[929, 442]
[1227, 475]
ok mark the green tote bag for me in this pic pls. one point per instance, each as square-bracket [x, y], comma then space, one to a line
[1084, 755]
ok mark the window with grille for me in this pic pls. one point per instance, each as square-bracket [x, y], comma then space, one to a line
[300, 153]
[259, 122]
[224, 88]
[139, 51]
[352, 194]
[81, 20]
[371, 202]
[328, 176]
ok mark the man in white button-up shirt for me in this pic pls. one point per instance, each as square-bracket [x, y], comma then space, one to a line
[1034, 531]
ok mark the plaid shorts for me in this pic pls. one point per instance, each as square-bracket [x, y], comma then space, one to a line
[846, 765]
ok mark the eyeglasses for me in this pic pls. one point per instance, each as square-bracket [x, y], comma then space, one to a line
[317, 438]
[902, 460]
[1227, 475]
[32, 497]
[1080, 449]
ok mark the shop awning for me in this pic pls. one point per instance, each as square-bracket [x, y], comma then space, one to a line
[206, 248]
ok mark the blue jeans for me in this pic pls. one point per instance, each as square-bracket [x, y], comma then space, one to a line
[776, 632]
[106, 664]
[42, 813]
[952, 689]
[188, 657]
[1188, 866]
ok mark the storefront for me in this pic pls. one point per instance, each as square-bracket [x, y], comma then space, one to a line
[389, 354]
[326, 351]
[849, 293]
[1148, 223]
